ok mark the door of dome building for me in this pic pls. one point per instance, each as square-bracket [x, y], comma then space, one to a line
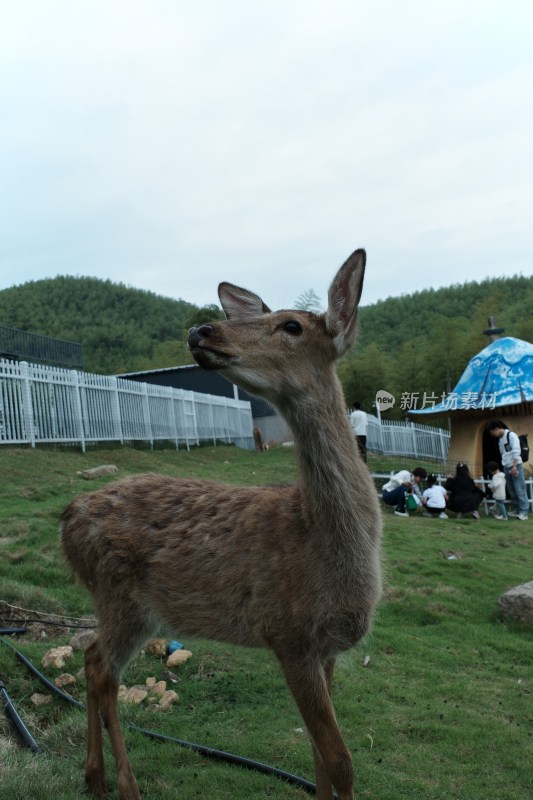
[491, 451]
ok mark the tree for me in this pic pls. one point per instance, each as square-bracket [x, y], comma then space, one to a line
[309, 301]
[363, 373]
[200, 314]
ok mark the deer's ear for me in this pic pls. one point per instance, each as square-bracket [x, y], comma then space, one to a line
[240, 303]
[344, 295]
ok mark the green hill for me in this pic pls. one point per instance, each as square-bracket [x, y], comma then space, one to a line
[413, 343]
[121, 329]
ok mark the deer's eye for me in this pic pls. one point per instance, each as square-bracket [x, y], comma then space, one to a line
[293, 327]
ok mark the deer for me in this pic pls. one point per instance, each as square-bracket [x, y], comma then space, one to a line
[293, 568]
[260, 444]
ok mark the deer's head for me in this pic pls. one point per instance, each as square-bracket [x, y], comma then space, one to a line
[271, 353]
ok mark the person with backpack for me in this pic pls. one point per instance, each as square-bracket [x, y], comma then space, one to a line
[509, 446]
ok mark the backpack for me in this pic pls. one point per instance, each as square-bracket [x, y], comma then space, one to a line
[410, 502]
[524, 447]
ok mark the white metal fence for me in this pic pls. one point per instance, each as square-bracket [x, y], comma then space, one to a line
[45, 404]
[407, 439]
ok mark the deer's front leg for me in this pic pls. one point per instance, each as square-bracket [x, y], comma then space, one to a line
[310, 685]
[102, 706]
[324, 786]
[127, 784]
[94, 768]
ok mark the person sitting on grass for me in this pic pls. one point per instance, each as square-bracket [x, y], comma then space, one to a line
[394, 491]
[497, 487]
[434, 499]
[464, 497]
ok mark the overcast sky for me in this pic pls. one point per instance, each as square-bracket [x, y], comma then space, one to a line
[169, 145]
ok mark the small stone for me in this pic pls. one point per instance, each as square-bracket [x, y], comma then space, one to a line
[97, 472]
[40, 699]
[65, 679]
[178, 657]
[135, 695]
[82, 640]
[159, 688]
[157, 647]
[167, 700]
[57, 656]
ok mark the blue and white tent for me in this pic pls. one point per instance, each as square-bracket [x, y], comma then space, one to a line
[500, 375]
[496, 384]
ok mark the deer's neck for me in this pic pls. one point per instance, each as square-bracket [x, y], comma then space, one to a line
[334, 478]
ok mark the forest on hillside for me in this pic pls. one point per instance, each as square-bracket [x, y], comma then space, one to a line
[421, 343]
[121, 329]
[418, 343]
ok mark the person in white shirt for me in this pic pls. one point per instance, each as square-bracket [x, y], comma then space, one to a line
[434, 498]
[497, 487]
[509, 445]
[359, 423]
[394, 491]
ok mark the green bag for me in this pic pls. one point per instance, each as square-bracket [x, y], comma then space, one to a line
[410, 502]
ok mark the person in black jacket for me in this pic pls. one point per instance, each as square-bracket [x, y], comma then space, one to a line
[464, 497]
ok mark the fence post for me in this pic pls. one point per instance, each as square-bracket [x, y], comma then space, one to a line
[443, 450]
[415, 443]
[77, 407]
[196, 436]
[27, 404]
[117, 417]
[227, 416]
[174, 420]
[147, 423]
[212, 421]
[239, 418]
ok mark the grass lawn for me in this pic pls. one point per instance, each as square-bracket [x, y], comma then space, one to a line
[442, 709]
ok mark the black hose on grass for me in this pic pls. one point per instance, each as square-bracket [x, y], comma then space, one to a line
[9, 707]
[210, 752]
[15, 718]
[9, 631]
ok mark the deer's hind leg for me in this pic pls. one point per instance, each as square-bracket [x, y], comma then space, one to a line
[104, 661]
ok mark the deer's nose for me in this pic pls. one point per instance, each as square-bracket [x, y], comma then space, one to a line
[203, 332]
[196, 334]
